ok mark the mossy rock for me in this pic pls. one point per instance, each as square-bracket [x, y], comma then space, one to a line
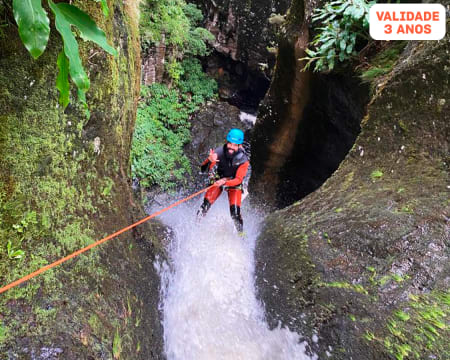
[353, 261]
[64, 183]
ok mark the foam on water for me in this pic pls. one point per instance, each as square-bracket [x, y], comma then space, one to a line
[246, 117]
[208, 300]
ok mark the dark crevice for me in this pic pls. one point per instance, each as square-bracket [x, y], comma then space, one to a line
[238, 85]
[329, 128]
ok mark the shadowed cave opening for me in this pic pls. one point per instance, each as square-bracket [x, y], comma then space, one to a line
[239, 85]
[328, 130]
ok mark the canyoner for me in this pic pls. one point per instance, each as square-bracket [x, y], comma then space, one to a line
[227, 168]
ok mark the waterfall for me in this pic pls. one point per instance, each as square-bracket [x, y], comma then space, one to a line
[210, 310]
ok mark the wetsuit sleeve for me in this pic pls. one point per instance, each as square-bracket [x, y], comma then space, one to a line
[240, 174]
[204, 165]
[207, 165]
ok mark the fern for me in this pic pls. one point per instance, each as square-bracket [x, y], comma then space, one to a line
[343, 23]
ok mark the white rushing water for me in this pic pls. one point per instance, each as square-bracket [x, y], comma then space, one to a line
[246, 117]
[210, 310]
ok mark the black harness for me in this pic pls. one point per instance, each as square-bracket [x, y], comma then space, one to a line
[227, 166]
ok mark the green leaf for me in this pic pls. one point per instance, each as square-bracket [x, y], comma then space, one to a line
[349, 49]
[384, 280]
[319, 65]
[439, 324]
[310, 53]
[321, 16]
[397, 278]
[76, 69]
[105, 8]
[431, 329]
[358, 13]
[18, 254]
[33, 25]
[349, 11]
[62, 81]
[82, 97]
[342, 7]
[117, 345]
[369, 336]
[67, 15]
[331, 54]
[327, 45]
[88, 28]
[366, 21]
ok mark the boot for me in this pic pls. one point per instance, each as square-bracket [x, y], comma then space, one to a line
[203, 209]
[235, 212]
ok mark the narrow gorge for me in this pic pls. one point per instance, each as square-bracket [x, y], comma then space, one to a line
[345, 248]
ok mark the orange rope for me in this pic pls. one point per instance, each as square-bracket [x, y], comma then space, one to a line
[78, 252]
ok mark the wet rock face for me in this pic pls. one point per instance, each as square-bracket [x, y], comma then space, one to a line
[67, 176]
[241, 62]
[281, 114]
[328, 129]
[307, 122]
[345, 264]
[241, 28]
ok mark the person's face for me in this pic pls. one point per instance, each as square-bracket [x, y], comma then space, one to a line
[232, 148]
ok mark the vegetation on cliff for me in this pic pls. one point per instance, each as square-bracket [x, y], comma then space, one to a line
[163, 119]
[64, 184]
[163, 126]
[342, 40]
[344, 29]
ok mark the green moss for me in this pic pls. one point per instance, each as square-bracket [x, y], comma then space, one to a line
[44, 315]
[96, 326]
[47, 194]
[407, 209]
[420, 328]
[3, 333]
[347, 180]
[376, 174]
[57, 195]
[372, 73]
[383, 62]
[345, 285]
[402, 125]
[109, 183]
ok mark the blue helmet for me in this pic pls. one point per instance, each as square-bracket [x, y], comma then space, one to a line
[235, 136]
